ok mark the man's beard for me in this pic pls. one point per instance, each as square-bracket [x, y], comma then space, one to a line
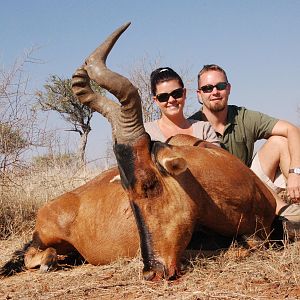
[216, 107]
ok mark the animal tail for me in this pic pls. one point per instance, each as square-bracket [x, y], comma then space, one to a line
[16, 263]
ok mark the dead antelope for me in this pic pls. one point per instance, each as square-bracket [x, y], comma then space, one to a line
[172, 188]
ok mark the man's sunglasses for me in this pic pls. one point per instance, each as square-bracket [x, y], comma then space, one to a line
[209, 87]
[164, 97]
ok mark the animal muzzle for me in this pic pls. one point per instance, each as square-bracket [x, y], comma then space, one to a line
[159, 271]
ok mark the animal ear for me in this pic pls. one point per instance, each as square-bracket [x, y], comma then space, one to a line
[183, 140]
[167, 158]
[174, 165]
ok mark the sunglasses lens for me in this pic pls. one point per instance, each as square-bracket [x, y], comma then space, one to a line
[221, 86]
[164, 97]
[177, 93]
[207, 88]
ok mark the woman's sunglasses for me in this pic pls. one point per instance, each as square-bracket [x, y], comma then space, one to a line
[209, 87]
[164, 97]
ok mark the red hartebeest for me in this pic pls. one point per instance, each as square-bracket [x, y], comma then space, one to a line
[172, 188]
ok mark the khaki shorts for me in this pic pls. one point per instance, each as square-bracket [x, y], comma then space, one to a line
[291, 211]
[279, 183]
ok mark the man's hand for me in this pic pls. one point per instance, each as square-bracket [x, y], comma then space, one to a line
[293, 187]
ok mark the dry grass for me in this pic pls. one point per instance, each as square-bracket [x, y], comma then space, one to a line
[24, 192]
[262, 274]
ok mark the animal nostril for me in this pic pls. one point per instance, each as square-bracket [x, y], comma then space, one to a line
[149, 275]
[174, 276]
[155, 271]
[158, 272]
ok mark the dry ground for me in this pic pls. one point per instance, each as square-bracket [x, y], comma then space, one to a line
[264, 274]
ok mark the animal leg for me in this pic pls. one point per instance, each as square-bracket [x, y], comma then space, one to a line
[46, 259]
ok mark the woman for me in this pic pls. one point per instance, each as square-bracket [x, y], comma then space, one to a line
[169, 95]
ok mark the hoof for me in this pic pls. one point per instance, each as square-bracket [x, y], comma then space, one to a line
[47, 268]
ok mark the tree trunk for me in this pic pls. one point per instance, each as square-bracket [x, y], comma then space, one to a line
[82, 147]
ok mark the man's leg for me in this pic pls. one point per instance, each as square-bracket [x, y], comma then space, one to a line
[274, 156]
[266, 163]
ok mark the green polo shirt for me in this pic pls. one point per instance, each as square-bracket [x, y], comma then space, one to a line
[244, 127]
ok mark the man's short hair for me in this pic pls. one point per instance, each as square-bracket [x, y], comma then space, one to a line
[211, 67]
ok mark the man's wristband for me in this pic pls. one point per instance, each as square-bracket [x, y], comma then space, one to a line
[295, 170]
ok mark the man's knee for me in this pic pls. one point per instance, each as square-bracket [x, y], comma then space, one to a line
[277, 183]
[276, 141]
[274, 154]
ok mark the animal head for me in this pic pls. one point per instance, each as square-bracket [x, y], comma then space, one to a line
[170, 186]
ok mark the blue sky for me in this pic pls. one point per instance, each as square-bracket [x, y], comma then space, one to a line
[257, 42]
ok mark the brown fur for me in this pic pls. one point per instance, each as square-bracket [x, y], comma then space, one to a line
[214, 190]
[95, 219]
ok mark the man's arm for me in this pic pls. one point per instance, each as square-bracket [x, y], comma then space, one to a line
[292, 133]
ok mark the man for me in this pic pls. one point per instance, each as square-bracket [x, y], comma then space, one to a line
[239, 128]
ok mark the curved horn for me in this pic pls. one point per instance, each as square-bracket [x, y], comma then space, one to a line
[82, 89]
[129, 121]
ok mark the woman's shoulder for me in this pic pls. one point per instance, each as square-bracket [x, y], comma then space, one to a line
[153, 130]
[151, 125]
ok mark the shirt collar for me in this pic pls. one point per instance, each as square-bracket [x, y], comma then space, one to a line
[231, 115]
